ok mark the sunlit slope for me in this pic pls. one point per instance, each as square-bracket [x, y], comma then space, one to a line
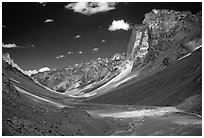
[167, 87]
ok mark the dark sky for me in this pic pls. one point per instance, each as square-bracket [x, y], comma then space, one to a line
[24, 26]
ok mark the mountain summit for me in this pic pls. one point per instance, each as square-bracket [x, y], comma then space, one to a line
[164, 37]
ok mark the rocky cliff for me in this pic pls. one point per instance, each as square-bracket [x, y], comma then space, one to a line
[164, 37]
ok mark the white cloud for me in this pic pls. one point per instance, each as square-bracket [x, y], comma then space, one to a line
[44, 69]
[29, 45]
[120, 24]
[7, 58]
[43, 3]
[9, 45]
[70, 52]
[80, 52]
[103, 41]
[95, 49]
[61, 56]
[88, 8]
[30, 72]
[77, 36]
[48, 21]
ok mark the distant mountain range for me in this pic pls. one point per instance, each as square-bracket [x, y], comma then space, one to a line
[164, 37]
[7, 58]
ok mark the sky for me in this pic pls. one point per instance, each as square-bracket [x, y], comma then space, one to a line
[58, 35]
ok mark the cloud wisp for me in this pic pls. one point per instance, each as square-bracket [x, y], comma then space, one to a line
[9, 45]
[94, 50]
[89, 8]
[70, 52]
[119, 25]
[61, 56]
[44, 69]
[77, 36]
[30, 72]
[30, 46]
[48, 21]
[16, 46]
[43, 3]
[103, 41]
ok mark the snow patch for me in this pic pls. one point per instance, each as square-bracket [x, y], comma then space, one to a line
[190, 53]
[44, 69]
[142, 113]
[184, 56]
[197, 47]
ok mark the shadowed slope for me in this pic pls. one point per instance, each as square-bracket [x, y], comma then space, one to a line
[170, 86]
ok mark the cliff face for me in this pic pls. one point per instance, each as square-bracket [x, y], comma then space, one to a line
[164, 37]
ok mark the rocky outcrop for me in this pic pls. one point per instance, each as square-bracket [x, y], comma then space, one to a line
[164, 36]
[7, 58]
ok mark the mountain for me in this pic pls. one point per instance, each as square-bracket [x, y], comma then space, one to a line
[80, 75]
[164, 37]
[24, 115]
[7, 58]
[153, 89]
[168, 87]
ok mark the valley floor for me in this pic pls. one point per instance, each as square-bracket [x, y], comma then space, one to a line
[28, 107]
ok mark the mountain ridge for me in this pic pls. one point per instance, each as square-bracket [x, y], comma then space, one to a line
[164, 37]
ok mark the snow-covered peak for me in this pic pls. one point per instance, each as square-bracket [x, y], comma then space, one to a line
[44, 69]
[7, 58]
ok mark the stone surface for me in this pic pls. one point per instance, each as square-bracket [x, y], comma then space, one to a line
[164, 36]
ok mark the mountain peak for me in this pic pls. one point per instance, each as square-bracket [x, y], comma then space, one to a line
[164, 34]
[7, 57]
